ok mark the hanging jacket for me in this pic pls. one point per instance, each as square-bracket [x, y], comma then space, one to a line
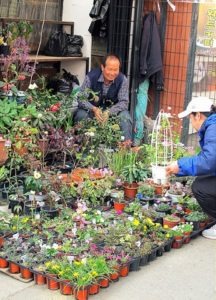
[97, 86]
[205, 162]
[150, 52]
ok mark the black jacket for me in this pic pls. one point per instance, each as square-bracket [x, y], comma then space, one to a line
[150, 52]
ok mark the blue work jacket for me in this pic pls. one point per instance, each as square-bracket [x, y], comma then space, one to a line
[205, 162]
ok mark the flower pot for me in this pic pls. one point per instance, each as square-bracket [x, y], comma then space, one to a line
[177, 244]
[3, 263]
[4, 50]
[104, 283]
[3, 152]
[14, 268]
[114, 276]
[130, 190]
[170, 223]
[66, 288]
[134, 265]
[51, 212]
[15, 203]
[144, 260]
[31, 208]
[119, 206]
[202, 225]
[187, 237]
[81, 294]
[2, 240]
[26, 273]
[159, 175]
[124, 270]
[52, 282]
[40, 279]
[94, 289]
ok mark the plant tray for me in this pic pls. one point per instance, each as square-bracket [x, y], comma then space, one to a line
[15, 276]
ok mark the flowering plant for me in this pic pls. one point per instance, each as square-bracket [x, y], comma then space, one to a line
[34, 182]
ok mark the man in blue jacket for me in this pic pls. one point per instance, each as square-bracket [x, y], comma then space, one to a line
[202, 114]
[111, 87]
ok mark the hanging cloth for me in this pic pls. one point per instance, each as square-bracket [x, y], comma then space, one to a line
[140, 111]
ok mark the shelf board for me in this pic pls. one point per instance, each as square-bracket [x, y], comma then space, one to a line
[46, 58]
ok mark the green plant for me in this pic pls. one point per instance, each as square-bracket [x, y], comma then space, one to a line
[172, 218]
[146, 190]
[134, 172]
[196, 216]
[163, 207]
[177, 231]
[34, 182]
[186, 227]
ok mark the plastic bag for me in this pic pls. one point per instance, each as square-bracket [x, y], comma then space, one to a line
[57, 44]
[75, 40]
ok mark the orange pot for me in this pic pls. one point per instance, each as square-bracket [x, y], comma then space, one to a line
[114, 276]
[1, 241]
[104, 283]
[26, 273]
[3, 263]
[14, 268]
[3, 152]
[124, 270]
[94, 289]
[169, 223]
[119, 206]
[130, 190]
[66, 288]
[40, 279]
[52, 282]
[81, 294]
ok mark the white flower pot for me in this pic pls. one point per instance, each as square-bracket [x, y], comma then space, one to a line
[159, 174]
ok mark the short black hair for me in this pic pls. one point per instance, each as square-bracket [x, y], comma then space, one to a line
[111, 55]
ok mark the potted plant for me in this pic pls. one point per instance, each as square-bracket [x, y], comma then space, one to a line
[196, 217]
[171, 221]
[118, 199]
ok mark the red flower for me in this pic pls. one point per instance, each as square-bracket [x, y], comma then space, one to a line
[21, 77]
[55, 107]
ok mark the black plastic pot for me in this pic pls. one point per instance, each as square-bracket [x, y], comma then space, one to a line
[50, 212]
[30, 209]
[135, 263]
[153, 255]
[144, 260]
[13, 204]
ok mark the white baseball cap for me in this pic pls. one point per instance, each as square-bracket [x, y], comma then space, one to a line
[198, 104]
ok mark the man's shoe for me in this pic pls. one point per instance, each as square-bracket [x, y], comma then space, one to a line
[210, 233]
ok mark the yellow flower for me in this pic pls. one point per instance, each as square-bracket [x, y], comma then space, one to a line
[94, 274]
[75, 274]
[1, 40]
[14, 228]
[167, 235]
[165, 226]
[136, 222]
[145, 227]
[149, 221]
[77, 263]
[48, 264]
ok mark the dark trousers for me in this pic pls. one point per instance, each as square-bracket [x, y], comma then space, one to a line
[125, 121]
[204, 190]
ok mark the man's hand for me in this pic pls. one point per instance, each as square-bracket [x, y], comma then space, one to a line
[173, 168]
[98, 114]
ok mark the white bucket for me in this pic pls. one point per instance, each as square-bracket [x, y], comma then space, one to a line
[159, 174]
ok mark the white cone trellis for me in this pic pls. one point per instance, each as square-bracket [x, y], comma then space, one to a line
[162, 147]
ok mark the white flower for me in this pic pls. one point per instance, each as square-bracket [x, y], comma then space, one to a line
[91, 151]
[32, 86]
[122, 138]
[40, 116]
[37, 175]
[32, 192]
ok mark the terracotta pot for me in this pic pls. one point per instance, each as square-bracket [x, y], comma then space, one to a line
[52, 282]
[170, 223]
[130, 190]
[178, 238]
[187, 237]
[3, 263]
[26, 273]
[114, 276]
[124, 270]
[14, 268]
[160, 189]
[94, 289]
[104, 283]
[2, 240]
[202, 225]
[81, 294]
[3, 152]
[119, 206]
[40, 279]
[66, 288]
